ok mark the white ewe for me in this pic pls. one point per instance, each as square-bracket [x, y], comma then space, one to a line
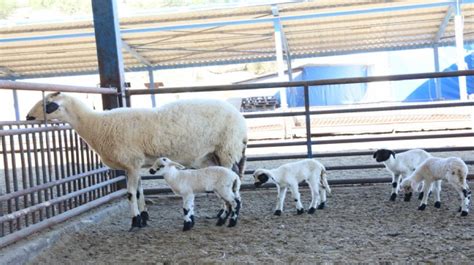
[196, 133]
[289, 175]
[435, 169]
[401, 165]
[186, 182]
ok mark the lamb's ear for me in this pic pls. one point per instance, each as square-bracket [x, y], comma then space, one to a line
[177, 165]
[375, 154]
[55, 94]
[263, 177]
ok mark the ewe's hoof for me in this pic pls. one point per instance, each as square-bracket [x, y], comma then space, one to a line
[422, 207]
[192, 220]
[277, 212]
[407, 197]
[299, 211]
[393, 197]
[420, 196]
[460, 209]
[187, 225]
[437, 205]
[322, 205]
[145, 217]
[312, 210]
[232, 222]
[464, 213]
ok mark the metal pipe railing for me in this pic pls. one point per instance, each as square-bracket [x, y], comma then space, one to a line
[20, 213]
[339, 81]
[23, 233]
[15, 85]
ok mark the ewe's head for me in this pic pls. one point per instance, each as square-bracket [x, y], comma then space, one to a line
[382, 155]
[261, 176]
[51, 108]
[162, 165]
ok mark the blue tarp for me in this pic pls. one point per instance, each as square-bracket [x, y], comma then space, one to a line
[449, 86]
[328, 94]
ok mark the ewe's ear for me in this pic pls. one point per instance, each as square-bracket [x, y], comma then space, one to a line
[392, 153]
[375, 154]
[55, 94]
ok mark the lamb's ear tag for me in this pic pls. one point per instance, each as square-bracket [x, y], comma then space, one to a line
[51, 107]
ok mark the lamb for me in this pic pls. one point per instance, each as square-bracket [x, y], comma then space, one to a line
[186, 182]
[195, 133]
[401, 165]
[436, 169]
[289, 175]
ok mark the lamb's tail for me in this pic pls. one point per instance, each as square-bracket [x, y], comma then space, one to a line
[324, 181]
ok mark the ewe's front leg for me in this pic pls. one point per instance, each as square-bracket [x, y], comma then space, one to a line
[132, 187]
[465, 195]
[280, 200]
[297, 198]
[188, 211]
[141, 204]
[424, 201]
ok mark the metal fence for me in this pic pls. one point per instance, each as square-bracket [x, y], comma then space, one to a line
[49, 174]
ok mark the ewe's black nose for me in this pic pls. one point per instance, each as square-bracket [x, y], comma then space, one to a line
[152, 171]
[30, 118]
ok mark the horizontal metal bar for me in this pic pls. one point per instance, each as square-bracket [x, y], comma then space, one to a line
[34, 130]
[44, 186]
[6, 84]
[351, 80]
[364, 139]
[354, 153]
[364, 109]
[316, 15]
[37, 207]
[332, 182]
[23, 233]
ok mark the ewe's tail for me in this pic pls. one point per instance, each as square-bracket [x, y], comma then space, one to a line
[324, 181]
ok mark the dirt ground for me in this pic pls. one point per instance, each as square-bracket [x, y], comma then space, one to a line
[359, 224]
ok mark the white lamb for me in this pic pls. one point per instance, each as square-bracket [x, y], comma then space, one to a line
[289, 175]
[401, 166]
[187, 182]
[196, 133]
[435, 169]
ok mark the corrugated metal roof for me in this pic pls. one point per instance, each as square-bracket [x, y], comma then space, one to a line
[234, 35]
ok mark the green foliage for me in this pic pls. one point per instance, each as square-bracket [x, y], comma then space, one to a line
[6, 8]
[70, 7]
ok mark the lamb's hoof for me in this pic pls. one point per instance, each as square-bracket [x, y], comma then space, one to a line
[277, 212]
[422, 207]
[221, 211]
[187, 225]
[437, 205]
[464, 213]
[232, 222]
[407, 197]
[136, 223]
[393, 197]
[192, 220]
[145, 217]
[322, 205]
[299, 211]
[420, 196]
[220, 221]
[311, 210]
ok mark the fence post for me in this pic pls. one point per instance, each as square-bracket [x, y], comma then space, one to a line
[307, 121]
[109, 54]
